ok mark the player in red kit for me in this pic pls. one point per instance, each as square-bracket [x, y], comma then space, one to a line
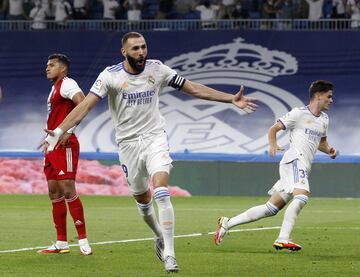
[61, 164]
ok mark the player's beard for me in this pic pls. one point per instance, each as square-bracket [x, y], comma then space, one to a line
[138, 68]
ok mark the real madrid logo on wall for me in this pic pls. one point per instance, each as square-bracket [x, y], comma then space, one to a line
[203, 126]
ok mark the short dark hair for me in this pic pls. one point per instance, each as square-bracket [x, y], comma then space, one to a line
[130, 35]
[61, 58]
[320, 86]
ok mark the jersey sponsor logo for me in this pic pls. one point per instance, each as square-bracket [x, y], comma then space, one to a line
[138, 97]
[314, 135]
[202, 126]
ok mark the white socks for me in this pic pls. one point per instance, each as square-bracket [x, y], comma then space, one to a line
[147, 213]
[166, 219]
[290, 216]
[253, 214]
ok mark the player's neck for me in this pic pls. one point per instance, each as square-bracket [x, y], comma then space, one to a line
[55, 81]
[314, 108]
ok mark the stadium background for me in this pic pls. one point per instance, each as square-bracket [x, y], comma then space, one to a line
[215, 151]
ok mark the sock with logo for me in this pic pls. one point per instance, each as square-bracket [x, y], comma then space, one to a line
[290, 216]
[147, 213]
[166, 219]
[77, 212]
[59, 212]
[253, 214]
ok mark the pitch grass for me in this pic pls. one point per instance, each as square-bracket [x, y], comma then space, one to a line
[328, 229]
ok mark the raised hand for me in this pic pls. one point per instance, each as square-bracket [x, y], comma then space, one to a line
[245, 103]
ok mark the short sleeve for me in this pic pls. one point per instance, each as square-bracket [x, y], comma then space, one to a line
[168, 74]
[326, 125]
[289, 120]
[69, 88]
[100, 86]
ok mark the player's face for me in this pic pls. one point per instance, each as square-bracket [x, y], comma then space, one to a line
[325, 100]
[54, 69]
[135, 52]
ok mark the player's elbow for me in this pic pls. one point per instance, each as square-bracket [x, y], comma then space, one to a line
[272, 130]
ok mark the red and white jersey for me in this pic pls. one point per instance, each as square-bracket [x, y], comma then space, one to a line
[60, 102]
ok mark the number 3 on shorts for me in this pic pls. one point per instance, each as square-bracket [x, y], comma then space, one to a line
[125, 170]
[302, 173]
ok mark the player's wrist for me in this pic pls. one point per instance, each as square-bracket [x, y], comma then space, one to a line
[58, 132]
[71, 130]
[53, 139]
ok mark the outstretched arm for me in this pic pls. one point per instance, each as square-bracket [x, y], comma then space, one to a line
[73, 118]
[325, 148]
[273, 147]
[77, 98]
[204, 92]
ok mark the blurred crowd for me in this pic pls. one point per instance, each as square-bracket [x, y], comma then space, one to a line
[205, 10]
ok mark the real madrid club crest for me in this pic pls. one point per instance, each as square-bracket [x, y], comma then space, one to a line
[151, 80]
[200, 129]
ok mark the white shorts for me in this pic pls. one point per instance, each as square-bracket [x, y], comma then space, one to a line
[142, 158]
[292, 175]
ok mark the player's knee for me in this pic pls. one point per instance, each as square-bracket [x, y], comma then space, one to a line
[271, 209]
[143, 198]
[69, 194]
[161, 177]
[54, 193]
[285, 197]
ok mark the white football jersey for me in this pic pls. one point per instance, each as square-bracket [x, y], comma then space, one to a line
[134, 98]
[306, 131]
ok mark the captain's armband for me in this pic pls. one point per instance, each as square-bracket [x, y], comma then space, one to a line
[177, 82]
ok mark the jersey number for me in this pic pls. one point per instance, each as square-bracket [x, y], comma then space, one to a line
[125, 170]
[302, 173]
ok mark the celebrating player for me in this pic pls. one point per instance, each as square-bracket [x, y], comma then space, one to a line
[308, 131]
[61, 164]
[133, 87]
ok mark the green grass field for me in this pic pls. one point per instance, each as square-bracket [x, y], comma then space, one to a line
[328, 229]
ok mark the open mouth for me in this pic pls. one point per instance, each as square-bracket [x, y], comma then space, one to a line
[140, 61]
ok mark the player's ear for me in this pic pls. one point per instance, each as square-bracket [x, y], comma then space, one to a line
[63, 68]
[123, 52]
